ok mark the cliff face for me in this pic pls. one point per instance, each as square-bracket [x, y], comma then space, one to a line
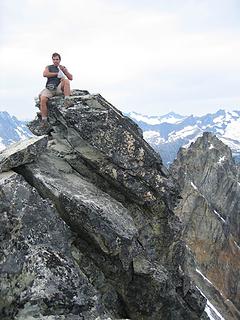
[210, 211]
[87, 228]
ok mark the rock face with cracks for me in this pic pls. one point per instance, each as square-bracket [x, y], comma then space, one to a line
[88, 230]
[210, 212]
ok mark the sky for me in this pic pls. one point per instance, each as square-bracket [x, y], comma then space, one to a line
[147, 56]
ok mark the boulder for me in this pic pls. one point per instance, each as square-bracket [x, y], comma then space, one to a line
[22, 152]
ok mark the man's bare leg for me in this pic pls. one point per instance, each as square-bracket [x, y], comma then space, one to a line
[65, 86]
[43, 107]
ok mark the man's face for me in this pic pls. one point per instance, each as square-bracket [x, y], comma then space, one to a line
[56, 61]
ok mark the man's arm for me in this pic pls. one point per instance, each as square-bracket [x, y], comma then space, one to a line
[48, 74]
[66, 72]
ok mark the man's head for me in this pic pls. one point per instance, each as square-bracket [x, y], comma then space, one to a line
[56, 58]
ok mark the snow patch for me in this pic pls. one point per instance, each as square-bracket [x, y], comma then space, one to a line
[221, 159]
[21, 133]
[191, 141]
[236, 245]
[228, 117]
[146, 119]
[193, 185]
[211, 311]
[211, 147]
[185, 132]
[220, 131]
[153, 120]
[170, 119]
[205, 278]
[219, 119]
[232, 130]
[2, 146]
[234, 114]
[153, 136]
[219, 216]
[234, 145]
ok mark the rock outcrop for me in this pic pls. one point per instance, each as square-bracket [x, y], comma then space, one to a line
[88, 230]
[39, 276]
[22, 152]
[210, 212]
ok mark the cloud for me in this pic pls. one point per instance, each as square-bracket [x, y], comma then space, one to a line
[132, 52]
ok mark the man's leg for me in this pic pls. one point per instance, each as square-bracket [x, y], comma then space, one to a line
[65, 87]
[44, 95]
[43, 107]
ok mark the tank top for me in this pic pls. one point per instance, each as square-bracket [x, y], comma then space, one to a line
[53, 81]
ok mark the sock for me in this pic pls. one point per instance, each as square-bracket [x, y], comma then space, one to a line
[44, 118]
[67, 97]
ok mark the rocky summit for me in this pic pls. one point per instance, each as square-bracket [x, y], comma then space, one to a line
[87, 223]
[210, 211]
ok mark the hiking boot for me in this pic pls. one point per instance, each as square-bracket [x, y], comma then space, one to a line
[45, 127]
[44, 123]
[68, 103]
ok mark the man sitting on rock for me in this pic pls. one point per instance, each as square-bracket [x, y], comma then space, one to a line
[57, 84]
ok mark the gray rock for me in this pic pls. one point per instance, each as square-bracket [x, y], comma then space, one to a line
[126, 258]
[209, 210]
[85, 208]
[38, 274]
[111, 142]
[22, 152]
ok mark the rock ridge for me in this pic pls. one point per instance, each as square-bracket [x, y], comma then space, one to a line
[88, 230]
[209, 209]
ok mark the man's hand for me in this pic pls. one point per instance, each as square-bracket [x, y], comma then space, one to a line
[60, 74]
[64, 69]
[66, 72]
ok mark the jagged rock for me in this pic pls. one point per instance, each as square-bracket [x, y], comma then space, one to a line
[209, 165]
[22, 152]
[38, 274]
[115, 196]
[85, 208]
[209, 210]
[112, 143]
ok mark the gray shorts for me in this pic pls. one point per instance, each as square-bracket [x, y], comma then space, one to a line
[51, 93]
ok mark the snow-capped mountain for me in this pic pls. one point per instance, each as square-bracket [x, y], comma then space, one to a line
[167, 133]
[11, 130]
[154, 120]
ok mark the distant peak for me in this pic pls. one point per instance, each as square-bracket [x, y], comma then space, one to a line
[173, 114]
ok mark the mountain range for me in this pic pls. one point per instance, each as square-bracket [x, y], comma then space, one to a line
[167, 133]
[11, 130]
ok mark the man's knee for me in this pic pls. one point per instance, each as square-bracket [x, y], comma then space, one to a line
[66, 82]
